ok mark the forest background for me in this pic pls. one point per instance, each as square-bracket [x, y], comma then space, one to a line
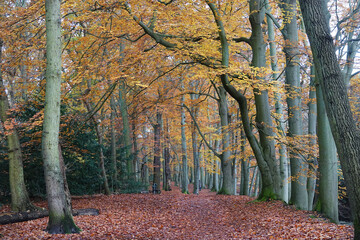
[223, 94]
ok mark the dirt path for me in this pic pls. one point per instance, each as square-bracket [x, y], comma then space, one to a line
[172, 215]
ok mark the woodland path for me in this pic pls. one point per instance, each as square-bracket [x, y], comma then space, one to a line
[172, 215]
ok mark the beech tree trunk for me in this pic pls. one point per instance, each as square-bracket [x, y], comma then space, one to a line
[328, 177]
[343, 127]
[113, 145]
[157, 150]
[270, 188]
[284, 185]
[299, 195]
[167, 170]
[195, 148]
[19, 197]
[226, 162]
[312, 117]
[60, 215]
[126, 132]
[185, 178]
[245, 170]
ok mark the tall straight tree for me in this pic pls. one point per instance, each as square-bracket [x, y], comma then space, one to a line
[328, 179]
[157, 149]
[19, 197]
[311, 181]
[60, 215]
[126, 132]
[195, 147]
[332, 82]
[299, 195]
[185, 178]
[284, 186]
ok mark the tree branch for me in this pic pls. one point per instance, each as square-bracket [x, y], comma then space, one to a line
[242, 39]
[277, 25]
[202, 136]
[157, 37]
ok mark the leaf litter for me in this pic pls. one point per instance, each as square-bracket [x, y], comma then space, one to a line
[173, 215]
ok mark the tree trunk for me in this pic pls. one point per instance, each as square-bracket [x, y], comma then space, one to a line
[195, 153]
[126, 132]
[284, 189]
[263, 116]
[311, 182]
[113, 144]
[135, 156]
[226, 162]
[167, 172]
[331, 79]
[157, 150]
[19, 197]
[328, 177]
[244, 189]
[185, 178]
[60, 215]
[299, 195]
[8, 218]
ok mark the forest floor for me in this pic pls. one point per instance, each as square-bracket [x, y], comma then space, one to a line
[172, 215]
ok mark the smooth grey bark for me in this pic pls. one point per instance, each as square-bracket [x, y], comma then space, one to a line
[226, 162]
[245, 170]
[60, 215]
[195, 148]
[167, 170]
[63, 173]
[343, 127]
[235, 162]
[126, 132]
[157, 149]
[312, 115]
[135, 155]
[352, 50]
[202, 173]
[144, 166]
[255, 182]
[263, 116]
[279, 109]
[328, 177]
[113, 144]
[299, 194]
[216, 177]
[20, 201]
[185, 179]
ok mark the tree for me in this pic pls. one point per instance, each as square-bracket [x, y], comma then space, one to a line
[157, 148]
[185, 178]
[299, 195]
[19, 197]
[328, 177]
[331, 79]
[60, 215]
[284, 186]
